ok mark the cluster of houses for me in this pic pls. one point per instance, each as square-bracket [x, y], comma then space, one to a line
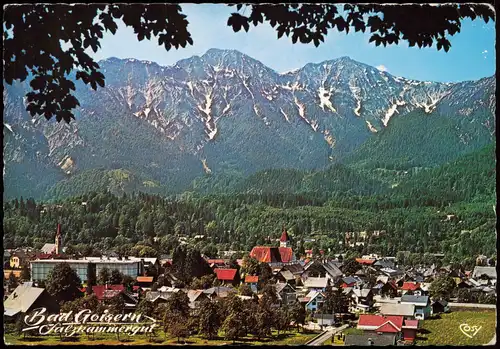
[389, 299]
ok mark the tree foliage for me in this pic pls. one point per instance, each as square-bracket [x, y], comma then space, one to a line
[63, 283]
[33, 36]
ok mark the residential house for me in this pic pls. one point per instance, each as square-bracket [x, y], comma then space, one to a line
[384, 263]
[18, 259]
[381, 324]
[410, 329]
[440, 306]
[195, 298]
[385, 287]
[226, 276]
[252, 281]
[411, 288]
[106, 292]
[314, 300]
[488, 274]
[26, 298]
[365, 261]
[370, 339]
[422, 305]
[144, 281]
[219, 292]
[351, 281]
[361, 299]
[325, 269]
[324, 319]
[286, 293]
[407, 311]
[285, 276]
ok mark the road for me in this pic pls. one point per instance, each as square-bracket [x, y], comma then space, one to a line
[326, 335]
[473, 305]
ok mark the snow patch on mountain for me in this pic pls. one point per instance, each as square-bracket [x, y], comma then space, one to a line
[324, 97]
[205, 166]
[390, 112]
[284, 114]
[329, 138]
[370, 127]
[8, 127]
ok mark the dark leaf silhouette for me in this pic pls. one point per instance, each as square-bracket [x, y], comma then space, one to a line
[32, 40]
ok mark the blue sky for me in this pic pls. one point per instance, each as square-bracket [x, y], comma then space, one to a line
[471, 57]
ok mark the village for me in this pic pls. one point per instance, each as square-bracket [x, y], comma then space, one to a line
[369, 300]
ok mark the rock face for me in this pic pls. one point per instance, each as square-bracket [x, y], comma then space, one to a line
[224, 110]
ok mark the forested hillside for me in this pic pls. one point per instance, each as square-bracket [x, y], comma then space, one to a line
[448, 209]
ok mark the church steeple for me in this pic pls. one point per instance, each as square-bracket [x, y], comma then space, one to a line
[58, 240]
[285, 239]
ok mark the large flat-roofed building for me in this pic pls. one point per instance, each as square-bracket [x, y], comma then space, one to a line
[40, 267]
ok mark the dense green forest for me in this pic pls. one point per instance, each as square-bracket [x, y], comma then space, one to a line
[446, 209]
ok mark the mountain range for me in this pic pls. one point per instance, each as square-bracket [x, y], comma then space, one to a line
[227, 115]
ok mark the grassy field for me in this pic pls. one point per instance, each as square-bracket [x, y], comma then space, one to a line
[446, 330]
[288, 338]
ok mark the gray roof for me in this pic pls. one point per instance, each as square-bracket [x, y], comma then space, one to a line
[384, 263]
[350, 280]
[397, 309]
[22, 299]
[364, 292]
[332, 269]
[419, 300]
[491, 272]
[280, 286]
[294, 268]
[287, 275]
[48, 248]
[316, 282]
[377, 339]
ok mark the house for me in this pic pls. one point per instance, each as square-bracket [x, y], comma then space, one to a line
[106, 292]
[226, 276]
[219, 292]
[422, 305]
[325, 269]
[485, 273]
[350, 281]
[381, 324]
[316, 284]
[407, 311]
[286, 293]
[365, 261]
[387, 288]
[384, 263]
[314, 300]
[195, 298]
[26, 298]
[411, 288]
[324, 319]
[285, 276]
[361, 299]
[17, 259]
[410, 328]
[252, 281]
[440, 306]
[370, 339]
[144, 281]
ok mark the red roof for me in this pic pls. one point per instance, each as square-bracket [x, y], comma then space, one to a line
[225, 274]
[144, 279]
[365, 261]
[411, 323]
[102, 291]
[410, 286]
[382, 323]
[286, 254]
[284, 236]
[217, 261]
[266, 254]
[251, 278]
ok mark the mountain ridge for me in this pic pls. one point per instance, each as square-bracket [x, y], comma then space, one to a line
[225, 110]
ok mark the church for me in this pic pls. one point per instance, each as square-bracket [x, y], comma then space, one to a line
[57, 247]
[275, 255]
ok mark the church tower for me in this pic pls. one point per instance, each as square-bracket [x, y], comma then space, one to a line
[59, 243]
[285, 239]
